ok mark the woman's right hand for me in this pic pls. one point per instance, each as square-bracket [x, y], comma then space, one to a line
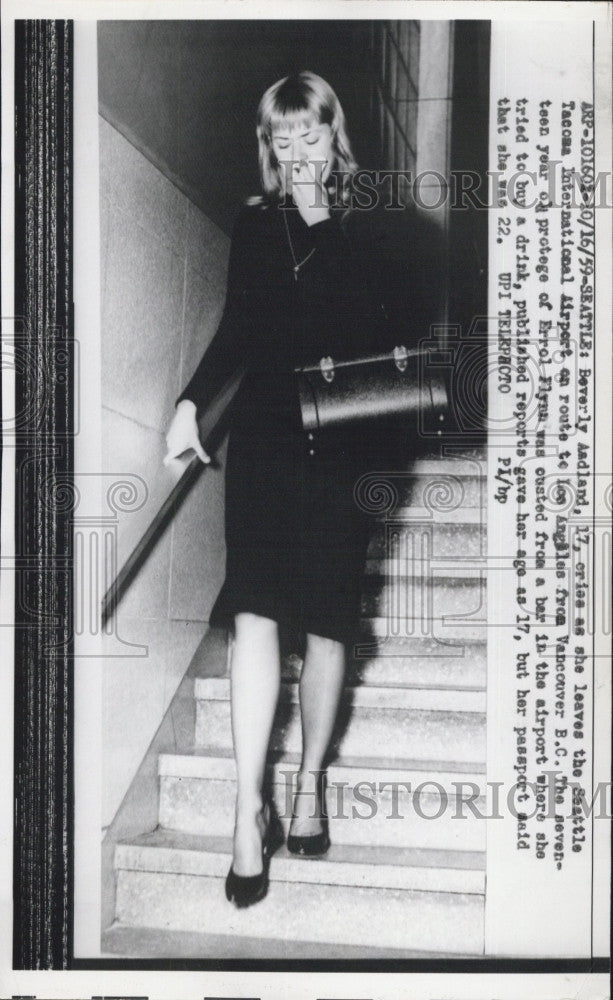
[183, 433]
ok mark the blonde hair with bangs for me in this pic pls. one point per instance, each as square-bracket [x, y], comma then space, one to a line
[302, 97]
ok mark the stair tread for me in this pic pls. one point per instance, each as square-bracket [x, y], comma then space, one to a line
[376, 626]
[440, 576]
[150, 942]
[442, 524]
[468, 515]
[433, 729]
[440, 698]
[416, 662]
[338, 853]
[372, 764]
[440, 529]
[422, 644]
[365, 866]
[462, 466]
[387, 568]
[352, 686]
[419, 643]
[413, 516]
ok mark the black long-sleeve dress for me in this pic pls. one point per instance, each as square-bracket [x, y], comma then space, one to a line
[295, 536]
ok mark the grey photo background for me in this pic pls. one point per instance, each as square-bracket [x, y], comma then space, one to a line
[177, 156]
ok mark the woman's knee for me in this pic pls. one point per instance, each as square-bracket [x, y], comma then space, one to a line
[322, 645]
[247, 622]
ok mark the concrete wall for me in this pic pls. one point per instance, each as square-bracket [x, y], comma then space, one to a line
[163, 270]
[434, 115]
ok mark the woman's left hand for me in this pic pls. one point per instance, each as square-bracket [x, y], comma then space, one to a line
[309, 194]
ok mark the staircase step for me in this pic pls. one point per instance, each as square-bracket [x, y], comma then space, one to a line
[406, 598]
[461, 541]
[221, 766]
[177, 882]
[467, 463]
[411, 662]
[411, 698]
[414, 733]
[433, 494]
[416, 514]
[154, 943]
[442, 627]
[417, 571]
[443, 490]
[198, 792]
[452, 517]
[349, 865]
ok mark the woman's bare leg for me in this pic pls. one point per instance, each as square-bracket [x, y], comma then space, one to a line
[254, 687]
[321, 684]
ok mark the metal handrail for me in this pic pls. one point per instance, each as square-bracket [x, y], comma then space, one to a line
[171, 504]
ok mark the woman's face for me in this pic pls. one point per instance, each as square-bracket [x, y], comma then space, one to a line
[298, 141]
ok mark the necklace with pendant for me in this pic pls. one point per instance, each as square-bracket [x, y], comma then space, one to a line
[297, 264]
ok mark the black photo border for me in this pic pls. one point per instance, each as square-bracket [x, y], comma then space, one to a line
[44, 482]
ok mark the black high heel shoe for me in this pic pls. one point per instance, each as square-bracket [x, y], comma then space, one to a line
[245, 890]
[316, 844]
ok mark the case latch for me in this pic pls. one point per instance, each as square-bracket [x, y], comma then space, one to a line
[326, 366]
[400, 358]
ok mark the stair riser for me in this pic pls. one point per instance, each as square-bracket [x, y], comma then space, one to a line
[365, 697]
[421, 598]
[456, 541]
[434, 492]
[421, 569]
[471, 462]
[434, 671]
[395, 627]
[392, 918]
[412, 663]
[374, 733]
[206, 807]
